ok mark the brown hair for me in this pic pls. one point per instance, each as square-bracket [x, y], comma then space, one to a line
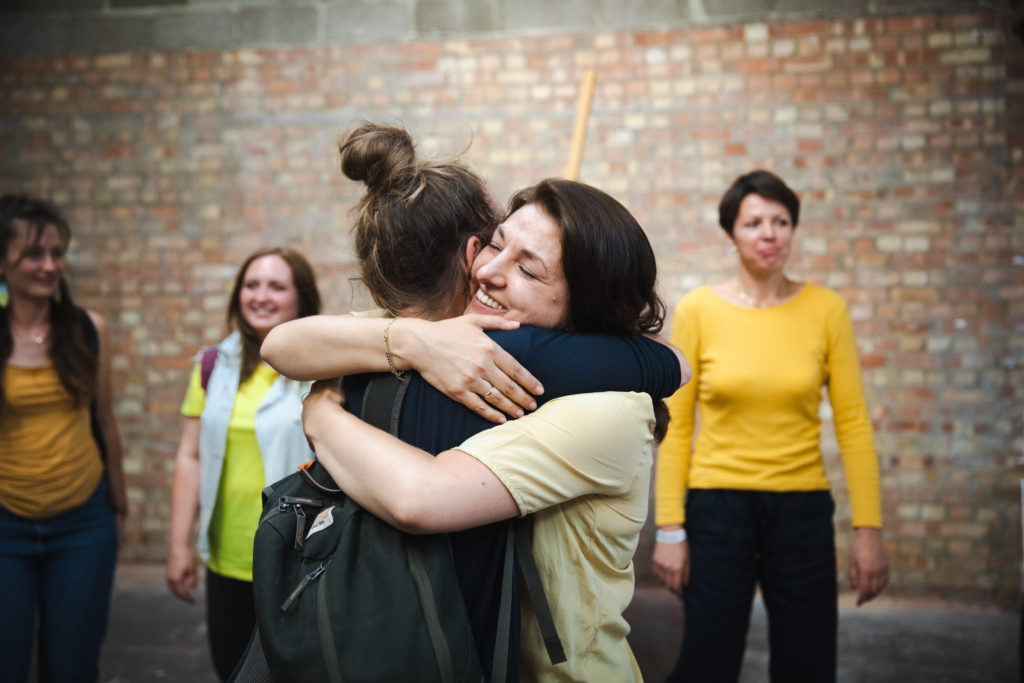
[608, 262]
[305, 285]
[75, 364]
[609, 265]
[414, 221]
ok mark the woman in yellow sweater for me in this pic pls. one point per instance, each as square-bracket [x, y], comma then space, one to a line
[61, 482]
[749, 502]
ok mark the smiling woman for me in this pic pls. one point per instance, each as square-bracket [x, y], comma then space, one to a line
[241, 433]
[61, 483]
[566, 256]
[519, 272]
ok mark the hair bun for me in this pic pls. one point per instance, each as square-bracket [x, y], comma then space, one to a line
[375, 154]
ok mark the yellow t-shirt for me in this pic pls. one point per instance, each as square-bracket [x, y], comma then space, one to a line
[582, 465]
[49, 461]
[757, 381]
[236, 513]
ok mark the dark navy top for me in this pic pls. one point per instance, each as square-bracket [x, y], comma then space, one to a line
[565, 363]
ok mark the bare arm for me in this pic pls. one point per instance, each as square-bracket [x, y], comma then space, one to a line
[181, 559]
[108, 423]
[403, 485]
[454, 355]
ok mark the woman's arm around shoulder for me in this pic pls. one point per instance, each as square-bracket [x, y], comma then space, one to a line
[454, 356]
[685, 371]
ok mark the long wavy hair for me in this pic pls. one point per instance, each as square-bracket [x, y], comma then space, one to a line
[75, 364]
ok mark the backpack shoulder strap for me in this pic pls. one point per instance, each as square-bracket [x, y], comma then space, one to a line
[382, 402]
[206, 366]
[531, 578]
[382, 408]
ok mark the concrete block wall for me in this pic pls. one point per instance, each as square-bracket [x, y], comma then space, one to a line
[901, 131]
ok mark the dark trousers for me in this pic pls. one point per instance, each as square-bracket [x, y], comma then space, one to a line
[786, 543]
[230, 619]
[58, 572]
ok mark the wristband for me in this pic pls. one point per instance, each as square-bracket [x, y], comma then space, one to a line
[677, 536]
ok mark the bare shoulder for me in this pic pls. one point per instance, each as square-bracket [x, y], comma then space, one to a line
[97, 320]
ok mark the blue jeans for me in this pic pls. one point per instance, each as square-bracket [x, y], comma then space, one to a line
[62, 569]
[786, 543]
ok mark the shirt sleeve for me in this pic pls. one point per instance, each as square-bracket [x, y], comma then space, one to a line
[195, 396]
[673, 462]
[852, 423]
[572, 363]
[570, 447]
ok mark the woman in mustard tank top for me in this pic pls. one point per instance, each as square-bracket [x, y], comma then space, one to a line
[62, 492]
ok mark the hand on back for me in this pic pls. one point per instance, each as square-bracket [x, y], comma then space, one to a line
[457, 358]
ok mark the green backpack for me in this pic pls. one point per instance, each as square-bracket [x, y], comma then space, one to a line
[343, 596]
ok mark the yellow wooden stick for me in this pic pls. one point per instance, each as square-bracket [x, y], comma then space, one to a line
[579, 131]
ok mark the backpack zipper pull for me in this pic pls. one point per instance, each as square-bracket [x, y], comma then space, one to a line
[306, 580]
[300, 526]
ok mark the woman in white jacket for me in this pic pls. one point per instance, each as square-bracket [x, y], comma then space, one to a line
[242, 432]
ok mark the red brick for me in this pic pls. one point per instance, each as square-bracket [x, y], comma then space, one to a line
[174, 166]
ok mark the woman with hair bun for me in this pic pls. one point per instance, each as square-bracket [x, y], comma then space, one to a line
[62, 493]
[567, 257]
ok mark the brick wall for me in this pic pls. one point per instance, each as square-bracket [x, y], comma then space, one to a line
[902, 134]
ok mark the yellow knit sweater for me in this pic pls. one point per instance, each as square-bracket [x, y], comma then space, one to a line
[757, 381]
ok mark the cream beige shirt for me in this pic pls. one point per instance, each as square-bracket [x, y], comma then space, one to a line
[581, 464]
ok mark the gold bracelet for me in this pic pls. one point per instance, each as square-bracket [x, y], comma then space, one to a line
[387, 351]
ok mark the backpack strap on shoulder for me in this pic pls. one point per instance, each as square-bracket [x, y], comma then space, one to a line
[531, 577]
[382, 402]
[382, 408]
[206, 366]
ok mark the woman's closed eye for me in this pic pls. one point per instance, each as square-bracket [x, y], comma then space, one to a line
[527, 273]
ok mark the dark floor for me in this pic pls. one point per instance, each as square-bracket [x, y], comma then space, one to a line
[155, 637]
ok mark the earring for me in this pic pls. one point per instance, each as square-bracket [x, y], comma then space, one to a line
[5, 296]
[57, 294]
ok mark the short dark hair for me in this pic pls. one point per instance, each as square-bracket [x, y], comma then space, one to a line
[761, 183]
[609, 264]
[305, 286]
